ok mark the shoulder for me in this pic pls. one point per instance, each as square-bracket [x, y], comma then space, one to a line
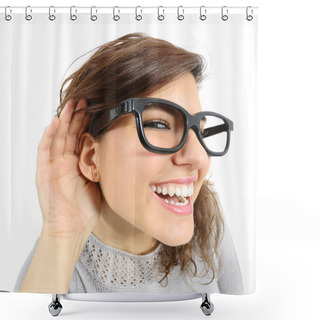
[230, 278]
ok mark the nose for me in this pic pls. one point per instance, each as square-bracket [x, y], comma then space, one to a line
[192, 153]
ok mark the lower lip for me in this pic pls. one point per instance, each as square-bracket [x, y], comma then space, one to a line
[180, 210]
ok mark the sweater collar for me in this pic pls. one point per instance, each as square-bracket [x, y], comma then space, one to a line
[118, 269]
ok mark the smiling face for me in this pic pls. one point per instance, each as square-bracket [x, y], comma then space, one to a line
[138, 186]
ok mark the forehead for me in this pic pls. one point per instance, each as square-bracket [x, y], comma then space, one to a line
[182, 91]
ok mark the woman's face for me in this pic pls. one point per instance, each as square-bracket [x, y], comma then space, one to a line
[133, 180]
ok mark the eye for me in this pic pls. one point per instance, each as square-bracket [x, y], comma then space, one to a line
[156, 124]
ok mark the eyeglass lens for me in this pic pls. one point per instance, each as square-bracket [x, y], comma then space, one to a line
[163, 127]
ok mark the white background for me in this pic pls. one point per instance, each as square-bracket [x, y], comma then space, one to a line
[288, 215]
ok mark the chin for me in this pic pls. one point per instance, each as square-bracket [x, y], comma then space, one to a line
[176, 239]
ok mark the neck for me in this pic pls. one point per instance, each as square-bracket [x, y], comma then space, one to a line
[118, 233]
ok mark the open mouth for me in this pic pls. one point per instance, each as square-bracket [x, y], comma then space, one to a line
[177, 195]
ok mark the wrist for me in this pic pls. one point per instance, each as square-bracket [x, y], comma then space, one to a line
[68, 243]
[55, 237]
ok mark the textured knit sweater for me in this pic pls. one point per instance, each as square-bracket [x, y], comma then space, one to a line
[102, 268]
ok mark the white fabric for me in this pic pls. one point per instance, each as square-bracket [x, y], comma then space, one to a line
[34, 57]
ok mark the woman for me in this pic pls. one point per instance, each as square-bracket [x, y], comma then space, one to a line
[121, 179]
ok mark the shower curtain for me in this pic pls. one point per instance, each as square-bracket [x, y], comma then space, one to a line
[42, 47]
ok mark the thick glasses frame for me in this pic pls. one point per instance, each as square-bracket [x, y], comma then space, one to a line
[136, 106]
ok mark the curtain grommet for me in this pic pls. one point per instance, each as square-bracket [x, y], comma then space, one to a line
[138, 16]
[7, 16]
[180, 15]
[28, 16]
[52, 10]
[93, 17]
[224, 13]
[116, 17]
[160, 16]
[73, 12]
[203, 13]
[249, 17]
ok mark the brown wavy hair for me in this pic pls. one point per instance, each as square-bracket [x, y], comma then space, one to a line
[136, 65]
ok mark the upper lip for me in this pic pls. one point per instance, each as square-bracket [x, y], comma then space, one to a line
[185, 180]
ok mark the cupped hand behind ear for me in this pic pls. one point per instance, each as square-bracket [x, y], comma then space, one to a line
[69, 202]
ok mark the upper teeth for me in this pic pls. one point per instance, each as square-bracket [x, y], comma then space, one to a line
[178, 190]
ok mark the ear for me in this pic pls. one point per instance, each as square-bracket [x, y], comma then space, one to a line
[88, 157]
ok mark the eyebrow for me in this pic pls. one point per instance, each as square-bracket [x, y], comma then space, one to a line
[171, 110]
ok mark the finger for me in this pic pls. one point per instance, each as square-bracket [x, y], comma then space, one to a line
[75, 125]
[43, 156]
[59, 139]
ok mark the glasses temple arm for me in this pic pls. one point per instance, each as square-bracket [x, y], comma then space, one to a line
[215, 130]
[108, 116]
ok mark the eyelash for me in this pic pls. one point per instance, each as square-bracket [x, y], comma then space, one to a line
[146, 124]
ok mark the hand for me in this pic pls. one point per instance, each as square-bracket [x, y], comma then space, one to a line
[69, 202]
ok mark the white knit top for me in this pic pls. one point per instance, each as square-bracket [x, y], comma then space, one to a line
[116, 269]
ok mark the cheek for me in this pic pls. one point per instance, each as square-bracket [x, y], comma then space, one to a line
[202, 175]
[117, 167]
[207, 167]
[126, 168]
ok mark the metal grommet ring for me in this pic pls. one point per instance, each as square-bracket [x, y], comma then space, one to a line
[93, 17]
[7, 16]
[73, 16]
[51, 15]
[180, 15]
[160, 16]
[249, 16]
[138, 16]
[224, 13]
[203, 12]
[116, 17]
[28, 16]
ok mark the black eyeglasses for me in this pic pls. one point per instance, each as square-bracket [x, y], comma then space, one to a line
[163, 126]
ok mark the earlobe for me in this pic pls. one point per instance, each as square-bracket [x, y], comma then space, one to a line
[94, 174]
[87, 157]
